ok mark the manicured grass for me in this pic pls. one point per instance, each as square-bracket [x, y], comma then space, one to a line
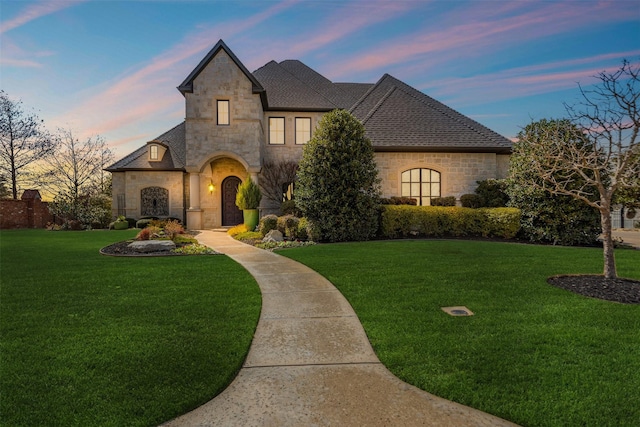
[533, 354]
[93, 340]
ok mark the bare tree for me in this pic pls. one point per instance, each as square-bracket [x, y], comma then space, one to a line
[274, 176]
[604, 159]
[76, 168]
[23, 140]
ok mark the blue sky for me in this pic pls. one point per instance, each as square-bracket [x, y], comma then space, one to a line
[111, 68]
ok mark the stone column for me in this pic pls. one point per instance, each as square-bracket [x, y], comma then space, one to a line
[194, 214]
[194, 191]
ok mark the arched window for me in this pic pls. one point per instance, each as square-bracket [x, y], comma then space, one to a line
[421, 184]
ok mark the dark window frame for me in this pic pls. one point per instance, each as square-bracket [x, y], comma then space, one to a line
[218, 103]
[420, 182]
[296, 130]
[284, 132]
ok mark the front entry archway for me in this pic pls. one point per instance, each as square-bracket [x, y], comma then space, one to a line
[231, 215]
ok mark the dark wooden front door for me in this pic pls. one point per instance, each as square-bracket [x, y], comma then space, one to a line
[231, 215]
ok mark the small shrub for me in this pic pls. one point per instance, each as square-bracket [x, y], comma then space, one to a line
[302, 229]
[288, 226]
[248, 195]
[148, 233]
[173, 228]
[473, 201]
[289, 207]
[493, 193]
[120, 225]
[267, 223]
[241, 228]
[270, 246]
[444, 201]
[184, 239]
[144, 222]
[394, 200]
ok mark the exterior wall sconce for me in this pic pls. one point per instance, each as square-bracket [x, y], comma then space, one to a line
[211, 187]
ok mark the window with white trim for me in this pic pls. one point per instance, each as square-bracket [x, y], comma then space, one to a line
[276, 130]
[421, 184]
[153, 152]
[303, 130]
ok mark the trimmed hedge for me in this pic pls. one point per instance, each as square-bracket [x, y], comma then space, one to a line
[406, 221]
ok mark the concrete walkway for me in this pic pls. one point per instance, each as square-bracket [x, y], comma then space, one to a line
[310, 362]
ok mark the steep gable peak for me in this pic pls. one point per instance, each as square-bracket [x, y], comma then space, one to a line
[187, 84]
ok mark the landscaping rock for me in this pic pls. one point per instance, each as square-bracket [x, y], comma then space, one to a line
[273, 236]
[146, 246]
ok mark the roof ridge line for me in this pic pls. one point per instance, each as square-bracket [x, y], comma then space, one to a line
[379, 104]
[305, 83]
[444, 111]
[366, 94]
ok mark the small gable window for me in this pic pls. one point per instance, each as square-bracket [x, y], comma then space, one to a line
[303, 130]
[421, 184]
[276, 130]
[223, 112]
[153, 152]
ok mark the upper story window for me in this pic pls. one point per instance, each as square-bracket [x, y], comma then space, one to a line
[223, 112]
[153, 152]
[276, 130]
[303, 130]
[421, 184]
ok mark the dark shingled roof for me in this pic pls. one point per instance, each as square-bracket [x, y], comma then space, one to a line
[173, 159]
[398, 117]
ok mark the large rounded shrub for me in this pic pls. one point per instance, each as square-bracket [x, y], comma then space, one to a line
[338, 186]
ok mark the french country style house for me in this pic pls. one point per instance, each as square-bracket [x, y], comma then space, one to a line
[237, 121]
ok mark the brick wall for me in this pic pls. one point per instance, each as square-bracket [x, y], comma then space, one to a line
[24, 214]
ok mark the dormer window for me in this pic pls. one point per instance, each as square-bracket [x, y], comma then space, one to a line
[153, 152]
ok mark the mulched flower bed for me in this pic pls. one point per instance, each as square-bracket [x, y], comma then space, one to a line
[123, 249]
[620, 290]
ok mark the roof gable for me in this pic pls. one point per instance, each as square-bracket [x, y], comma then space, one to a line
[187, 84]
[173, 159]
[399, 117]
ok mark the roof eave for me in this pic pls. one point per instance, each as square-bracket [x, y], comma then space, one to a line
[440, 149]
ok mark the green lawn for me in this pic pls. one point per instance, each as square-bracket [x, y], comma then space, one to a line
[532, 353]
[93, 340]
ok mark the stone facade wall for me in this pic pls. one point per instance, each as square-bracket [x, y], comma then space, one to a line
[221, 79]
[459, 171]
[132, 182]
[290, 151]
[211, 203]
[31, 213]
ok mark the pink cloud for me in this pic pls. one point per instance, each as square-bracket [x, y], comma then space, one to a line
[525, 81]
[489, 27]
[35, 11]
[150, 91]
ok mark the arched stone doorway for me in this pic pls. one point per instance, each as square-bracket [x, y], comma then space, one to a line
[231, 215]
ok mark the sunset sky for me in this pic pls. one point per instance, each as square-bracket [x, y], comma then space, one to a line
[111, 68]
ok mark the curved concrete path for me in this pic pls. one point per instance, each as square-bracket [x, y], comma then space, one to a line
[310, 362]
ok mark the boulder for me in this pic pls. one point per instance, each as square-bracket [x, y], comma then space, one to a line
[146, 246]
[273, 236]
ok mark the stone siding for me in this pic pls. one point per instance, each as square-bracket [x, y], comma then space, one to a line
[459, 171]
[221, 79]
[290, 151]
[132, 182]
[211, 203]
